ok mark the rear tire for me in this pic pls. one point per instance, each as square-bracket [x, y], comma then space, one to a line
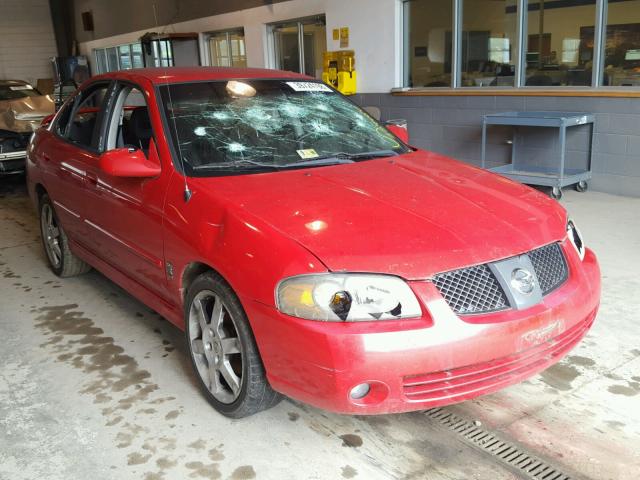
[61, 259]
[223, 350]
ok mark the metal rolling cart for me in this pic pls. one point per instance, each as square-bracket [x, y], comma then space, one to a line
[556, 178]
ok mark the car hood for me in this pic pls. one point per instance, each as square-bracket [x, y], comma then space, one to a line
[25, 114]
[412, 215]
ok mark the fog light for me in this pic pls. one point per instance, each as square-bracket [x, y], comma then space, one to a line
[359, 391]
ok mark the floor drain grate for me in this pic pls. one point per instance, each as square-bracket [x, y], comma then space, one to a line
[514, 456]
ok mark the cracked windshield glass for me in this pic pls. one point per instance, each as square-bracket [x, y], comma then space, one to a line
[238, 127]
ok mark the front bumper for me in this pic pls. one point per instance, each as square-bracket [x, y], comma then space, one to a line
[12, 162]
[435, 360]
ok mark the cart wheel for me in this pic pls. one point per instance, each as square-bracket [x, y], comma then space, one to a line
[556, 192]
[582, 186]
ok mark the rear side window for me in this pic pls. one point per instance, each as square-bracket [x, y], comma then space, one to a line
[83, 126]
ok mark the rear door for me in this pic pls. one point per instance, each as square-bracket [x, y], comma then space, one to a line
[71, 151]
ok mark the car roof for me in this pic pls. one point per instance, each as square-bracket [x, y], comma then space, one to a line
[163, 75]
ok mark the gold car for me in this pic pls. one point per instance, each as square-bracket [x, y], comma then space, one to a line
[22, 109]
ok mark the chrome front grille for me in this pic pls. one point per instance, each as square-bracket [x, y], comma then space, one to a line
[475, 289]
[471, 290]
[550, 266]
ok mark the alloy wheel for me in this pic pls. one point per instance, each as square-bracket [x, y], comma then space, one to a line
[51, 235]
[215, 346]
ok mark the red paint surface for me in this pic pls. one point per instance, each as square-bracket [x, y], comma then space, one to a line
[413, 216]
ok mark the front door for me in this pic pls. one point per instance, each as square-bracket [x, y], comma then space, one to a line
[125, 222]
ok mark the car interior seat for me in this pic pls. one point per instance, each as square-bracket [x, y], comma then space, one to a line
[137, 132]
[81, 130]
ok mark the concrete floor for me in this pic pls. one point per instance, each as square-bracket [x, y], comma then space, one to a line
[95, 385]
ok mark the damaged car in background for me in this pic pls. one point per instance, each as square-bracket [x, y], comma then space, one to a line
[22, 109]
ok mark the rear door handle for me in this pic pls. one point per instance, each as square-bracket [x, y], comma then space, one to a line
[46, 157]
[92, 179]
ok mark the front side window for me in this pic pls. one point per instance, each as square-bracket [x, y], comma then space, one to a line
[247, 126]
[130, 125]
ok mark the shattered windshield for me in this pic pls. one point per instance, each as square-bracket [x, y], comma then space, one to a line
[251, 126]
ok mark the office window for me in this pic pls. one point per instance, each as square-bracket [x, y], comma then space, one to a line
[622, 44]
[137, 60]
[121, 57]
[162, 53]
[124, 56]
[559, 43]
[112, 59]
[489, 48]
[299, 45]
[101, 60]
[560, 37]
[226, 49]
[428, 43]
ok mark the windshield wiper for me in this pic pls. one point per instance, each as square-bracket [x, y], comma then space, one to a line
[339, 159]
[317, 162]
[359, 156]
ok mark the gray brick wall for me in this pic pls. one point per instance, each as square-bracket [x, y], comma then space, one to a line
[452, 125]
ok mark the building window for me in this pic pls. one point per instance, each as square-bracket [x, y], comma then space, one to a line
[560, 43]
[122, 57]
[489, 43]
[137, 59]
[428, 43]
[475, 43]
[622, 44]
[299, 45]
[162, 53]
[226, 49]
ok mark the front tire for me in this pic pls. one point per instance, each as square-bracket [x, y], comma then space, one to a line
[223, 350]
[61, 259]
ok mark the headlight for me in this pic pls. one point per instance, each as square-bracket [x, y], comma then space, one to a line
[349, 297]
[575, 237]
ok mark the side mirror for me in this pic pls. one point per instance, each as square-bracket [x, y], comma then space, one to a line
[399, 128]
[128, 162]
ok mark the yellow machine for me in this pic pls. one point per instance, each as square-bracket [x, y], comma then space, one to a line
[339, 71]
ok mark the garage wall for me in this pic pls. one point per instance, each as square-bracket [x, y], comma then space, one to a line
[374, 37]
[451, 125]
[115, 17]
[27, 41]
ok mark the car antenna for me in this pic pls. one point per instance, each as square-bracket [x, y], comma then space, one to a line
[187, 191]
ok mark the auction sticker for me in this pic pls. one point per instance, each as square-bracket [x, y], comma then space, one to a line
[307, 153]
[309, 86]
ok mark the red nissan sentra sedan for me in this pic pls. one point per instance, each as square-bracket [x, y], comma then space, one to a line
[303, 247]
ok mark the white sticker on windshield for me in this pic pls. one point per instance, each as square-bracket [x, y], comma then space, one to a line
[309, 86]
[20, 87]
[307, 153]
